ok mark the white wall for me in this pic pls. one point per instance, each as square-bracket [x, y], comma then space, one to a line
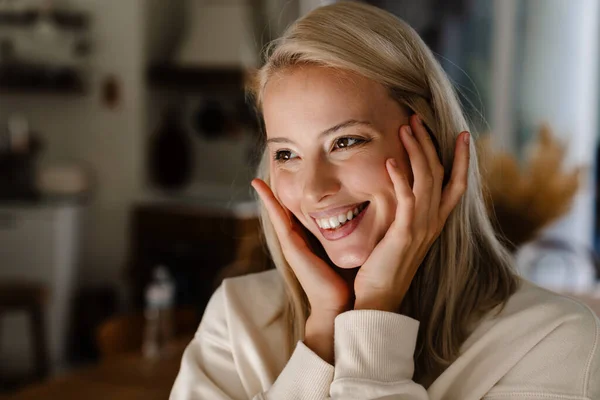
[110, 141]
[128, 35]
[163, 27]
[559, 85]
[221, 166]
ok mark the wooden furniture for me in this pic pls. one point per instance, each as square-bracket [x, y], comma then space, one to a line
[124, 334]
[28, 297]
[194, 241]
[128, 377]
[19, 74]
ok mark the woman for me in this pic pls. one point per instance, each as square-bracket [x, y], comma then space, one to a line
[390, 283]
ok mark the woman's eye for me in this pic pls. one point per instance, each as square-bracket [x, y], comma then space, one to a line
[284, 155]
[346, 142]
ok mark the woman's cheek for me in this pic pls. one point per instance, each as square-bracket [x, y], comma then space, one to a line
[369, 174]
[286, 191]
[373, 178]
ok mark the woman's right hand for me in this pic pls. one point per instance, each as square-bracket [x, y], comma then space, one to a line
[327, 292]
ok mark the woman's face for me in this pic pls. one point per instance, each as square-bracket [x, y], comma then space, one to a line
[329, 134]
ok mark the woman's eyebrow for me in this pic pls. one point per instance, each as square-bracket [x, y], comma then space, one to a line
[343, 125]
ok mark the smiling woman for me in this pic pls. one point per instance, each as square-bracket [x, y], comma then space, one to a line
[390, 282]
[315, 110]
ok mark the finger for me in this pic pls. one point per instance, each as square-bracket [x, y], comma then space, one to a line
[404, 196]
[435, 166]
[279, 217]
[458, 179]
[426, 142]
[314, 275]
[292, 244]
[423, 179]
[398, 236]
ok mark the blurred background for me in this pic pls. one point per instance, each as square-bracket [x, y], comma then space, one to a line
[127, 149]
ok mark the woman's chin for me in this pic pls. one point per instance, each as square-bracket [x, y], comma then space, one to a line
[349, 260]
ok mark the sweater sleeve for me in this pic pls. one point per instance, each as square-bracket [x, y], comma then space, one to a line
[374, 357]
[208, 369]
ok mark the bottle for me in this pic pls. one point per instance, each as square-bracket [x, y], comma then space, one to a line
[160, 299]
[18, 133]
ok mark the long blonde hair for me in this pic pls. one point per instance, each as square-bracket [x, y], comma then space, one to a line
[467, 272]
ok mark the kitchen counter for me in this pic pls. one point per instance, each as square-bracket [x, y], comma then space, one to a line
[220, 200]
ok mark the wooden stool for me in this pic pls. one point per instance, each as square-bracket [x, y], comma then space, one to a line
[30, 297]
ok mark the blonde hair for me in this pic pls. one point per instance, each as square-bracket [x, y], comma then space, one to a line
[467, 271]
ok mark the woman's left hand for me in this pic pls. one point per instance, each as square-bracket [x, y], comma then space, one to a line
[383, 280]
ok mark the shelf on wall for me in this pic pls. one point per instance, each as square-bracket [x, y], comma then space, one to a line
[40, 80]
[197, 79]
[65, 19]
[42, 90]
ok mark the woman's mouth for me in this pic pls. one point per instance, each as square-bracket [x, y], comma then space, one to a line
[339, 226]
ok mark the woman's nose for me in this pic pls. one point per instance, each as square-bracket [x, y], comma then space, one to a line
[320, 180]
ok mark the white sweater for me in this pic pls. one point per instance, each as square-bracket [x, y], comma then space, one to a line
[541, 346]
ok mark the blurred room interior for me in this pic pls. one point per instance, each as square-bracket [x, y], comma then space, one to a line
[127, 148]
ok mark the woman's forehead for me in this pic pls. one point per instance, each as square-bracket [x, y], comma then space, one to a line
[314, 81]
[318, 98]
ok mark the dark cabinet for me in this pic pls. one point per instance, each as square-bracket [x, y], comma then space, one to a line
[195, 243]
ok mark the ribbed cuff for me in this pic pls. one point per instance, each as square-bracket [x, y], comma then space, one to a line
[306, 376]
[376, 345]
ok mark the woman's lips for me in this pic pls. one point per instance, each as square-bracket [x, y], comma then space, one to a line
[344, 230]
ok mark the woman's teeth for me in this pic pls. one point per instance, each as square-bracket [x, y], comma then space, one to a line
[339, 220]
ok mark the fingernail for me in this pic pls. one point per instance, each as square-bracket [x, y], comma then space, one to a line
[408, 130]
[393, 163]
[419, 120]
[467, 138]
